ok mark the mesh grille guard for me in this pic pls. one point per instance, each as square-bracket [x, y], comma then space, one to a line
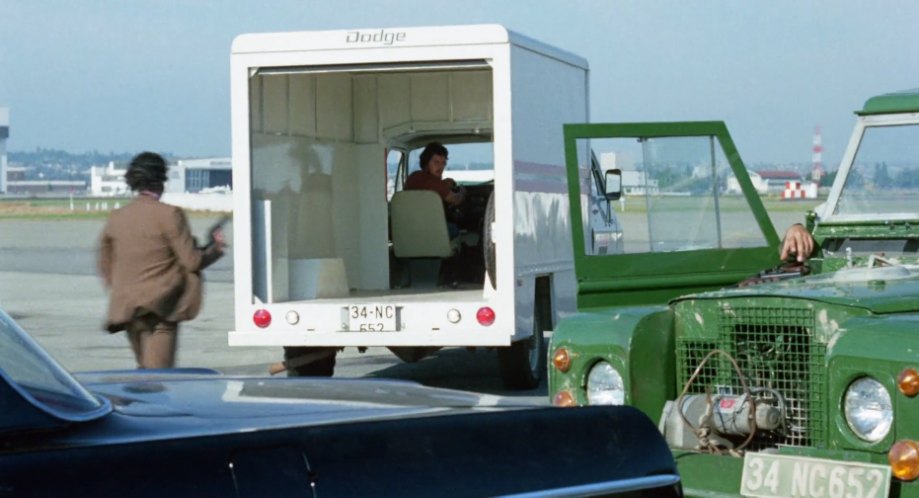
[776, 350]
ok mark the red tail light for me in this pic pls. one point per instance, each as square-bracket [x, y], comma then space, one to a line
[262, 318]
[485, 316]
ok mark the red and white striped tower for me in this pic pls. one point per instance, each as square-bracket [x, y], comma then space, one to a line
[817, 172]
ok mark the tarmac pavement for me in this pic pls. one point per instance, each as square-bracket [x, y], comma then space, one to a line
[65, 314]
[48, 284]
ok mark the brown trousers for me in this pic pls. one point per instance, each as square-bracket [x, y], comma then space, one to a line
[153, 341]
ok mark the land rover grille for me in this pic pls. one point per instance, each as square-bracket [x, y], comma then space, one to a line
[776, 350]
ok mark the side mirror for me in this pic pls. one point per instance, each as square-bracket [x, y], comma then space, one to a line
[613, 180]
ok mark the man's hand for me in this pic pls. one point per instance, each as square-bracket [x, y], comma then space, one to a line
[456, 197]
[798, 243]
[219, 239]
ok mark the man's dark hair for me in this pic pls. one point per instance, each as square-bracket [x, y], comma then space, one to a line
[430, 150]
[147, 171]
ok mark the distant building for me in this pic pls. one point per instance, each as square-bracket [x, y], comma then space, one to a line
[799, 190]
[759, 184]
[638, 183]
[4, 134]
[15, 173]
[16, 184]
[776, 179]
[199, 184]
[12, 178]
[48, 188]
[105, 181]
[785, 184]
[634, 182]
[186, 176]
[201, 175]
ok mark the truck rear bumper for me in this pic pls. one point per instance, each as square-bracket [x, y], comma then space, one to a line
[339, 339]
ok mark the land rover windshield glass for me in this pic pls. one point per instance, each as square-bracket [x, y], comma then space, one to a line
[679, 194]
[41, 380]
[883, 182]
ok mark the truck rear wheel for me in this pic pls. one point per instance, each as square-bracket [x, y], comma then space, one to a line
[488, 241]
[523, 363]
[305, 361]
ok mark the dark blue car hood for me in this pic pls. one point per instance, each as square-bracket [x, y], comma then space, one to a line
[203, 404]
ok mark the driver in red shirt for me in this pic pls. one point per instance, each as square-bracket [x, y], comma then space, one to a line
[430, 177]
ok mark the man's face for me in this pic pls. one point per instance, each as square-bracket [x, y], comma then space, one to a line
[436, 165]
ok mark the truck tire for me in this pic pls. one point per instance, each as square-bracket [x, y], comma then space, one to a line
[488, 242]
[321, 367]
[523, 363]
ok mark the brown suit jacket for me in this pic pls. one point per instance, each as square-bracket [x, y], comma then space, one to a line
[151, 263]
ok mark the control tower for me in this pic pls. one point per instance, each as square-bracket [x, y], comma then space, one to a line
[4, 134]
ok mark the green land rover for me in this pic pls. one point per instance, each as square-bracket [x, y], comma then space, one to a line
[765, 379]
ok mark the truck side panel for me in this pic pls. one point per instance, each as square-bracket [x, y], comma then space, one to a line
[542, 237]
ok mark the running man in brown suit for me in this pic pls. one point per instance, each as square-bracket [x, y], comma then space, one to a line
[151, 265]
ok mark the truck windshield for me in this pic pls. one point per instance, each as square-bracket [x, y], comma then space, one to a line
[468, 163]
[884, 177]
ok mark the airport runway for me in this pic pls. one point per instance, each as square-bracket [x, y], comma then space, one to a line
[68, 247]
[48, 284]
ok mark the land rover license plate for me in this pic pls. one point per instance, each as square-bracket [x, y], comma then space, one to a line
[771, 475]
[372, 318]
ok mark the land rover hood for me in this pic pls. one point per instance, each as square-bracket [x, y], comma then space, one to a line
[886, 289]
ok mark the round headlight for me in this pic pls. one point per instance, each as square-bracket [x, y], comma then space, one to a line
[604, 385]
[868, 409]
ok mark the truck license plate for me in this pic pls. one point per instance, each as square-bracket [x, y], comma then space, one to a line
[781, 475]
[372, 318]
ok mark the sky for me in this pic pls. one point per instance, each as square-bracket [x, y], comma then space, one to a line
[131, 75]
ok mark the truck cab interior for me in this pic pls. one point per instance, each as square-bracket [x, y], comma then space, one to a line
[425, 252]
[331, 146]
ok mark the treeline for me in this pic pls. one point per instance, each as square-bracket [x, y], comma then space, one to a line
[906, 176]
[901, 176]
[56, 164]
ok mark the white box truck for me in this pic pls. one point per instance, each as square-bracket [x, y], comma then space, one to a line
[332, 252]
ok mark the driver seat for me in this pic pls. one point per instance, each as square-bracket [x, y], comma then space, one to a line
[419, 234]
